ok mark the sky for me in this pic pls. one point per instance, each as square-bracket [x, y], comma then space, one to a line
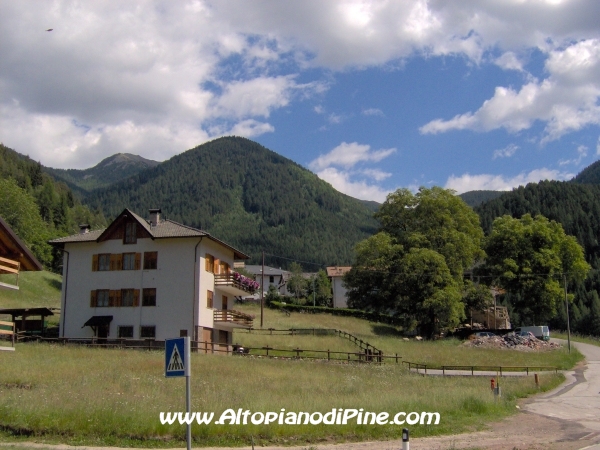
[372, 96]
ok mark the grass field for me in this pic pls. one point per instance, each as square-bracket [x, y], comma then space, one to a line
[78, 395]
[36, 289]
[386, 338]
[88, 396]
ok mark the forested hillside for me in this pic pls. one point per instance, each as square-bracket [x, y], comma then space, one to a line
[250, 197]
[38, 207]
[577, 207]
[476, 198]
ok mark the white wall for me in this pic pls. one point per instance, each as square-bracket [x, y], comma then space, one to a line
[173, 280]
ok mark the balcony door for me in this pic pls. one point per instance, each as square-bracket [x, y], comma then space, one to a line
[224, 303]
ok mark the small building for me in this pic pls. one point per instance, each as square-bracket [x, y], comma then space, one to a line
[150, 279]
[336, 275]
[272, 277]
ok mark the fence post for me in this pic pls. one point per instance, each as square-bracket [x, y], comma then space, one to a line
[328, 358]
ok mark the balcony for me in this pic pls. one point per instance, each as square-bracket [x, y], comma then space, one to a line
[229, 318]
[235, 284]
[9, 266]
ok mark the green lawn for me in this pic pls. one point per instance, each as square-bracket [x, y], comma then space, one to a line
[77, 395]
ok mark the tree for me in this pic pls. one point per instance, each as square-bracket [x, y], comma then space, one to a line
[297, 283]
[19, 210]
[529, 257]
[435, 219]
[320, 286]
[414, 266]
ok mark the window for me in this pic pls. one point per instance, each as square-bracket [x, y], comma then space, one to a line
[149, 297]
[125, 332]
[147, 332]
[271, 279]
[224, 303]
[128, 261]
[150, 260]
[130, 233]
[102, 298]
[104, 261]
[127, 297]
[209, 263]
[209, 299]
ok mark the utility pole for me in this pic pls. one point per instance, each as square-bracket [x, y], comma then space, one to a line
[262, 289]
[567, 305]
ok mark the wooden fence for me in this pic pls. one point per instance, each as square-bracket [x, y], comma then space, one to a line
[363, 345]
[8, 329]
[476, 368]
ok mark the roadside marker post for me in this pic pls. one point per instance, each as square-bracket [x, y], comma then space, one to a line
[405, 441]
[177, 364]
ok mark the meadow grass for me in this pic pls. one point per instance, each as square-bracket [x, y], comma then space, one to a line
[593, 340]
[79, 395]
[36, 289]
[388, 339]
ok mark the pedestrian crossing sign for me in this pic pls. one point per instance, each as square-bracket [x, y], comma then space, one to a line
[177, 357]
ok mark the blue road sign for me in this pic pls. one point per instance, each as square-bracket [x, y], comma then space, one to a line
[177, 357]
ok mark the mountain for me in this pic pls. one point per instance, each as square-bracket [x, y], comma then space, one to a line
[250, 197]
[589, 175]
[476, 198]
[108, 171]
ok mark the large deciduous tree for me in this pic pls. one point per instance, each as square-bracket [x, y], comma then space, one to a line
[414, 266]
[531, 257]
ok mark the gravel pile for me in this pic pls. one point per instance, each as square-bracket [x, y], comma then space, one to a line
[522, 343]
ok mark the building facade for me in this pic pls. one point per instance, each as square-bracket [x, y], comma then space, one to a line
[150, 279]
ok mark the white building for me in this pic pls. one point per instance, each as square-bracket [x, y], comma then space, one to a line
[272, 277]
[336, 275]
[150, 279]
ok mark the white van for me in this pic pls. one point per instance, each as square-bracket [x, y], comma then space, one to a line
[541, 332]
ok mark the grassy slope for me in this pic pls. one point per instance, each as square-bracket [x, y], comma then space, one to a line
[386, 338]
[36, 289]
[113, 397]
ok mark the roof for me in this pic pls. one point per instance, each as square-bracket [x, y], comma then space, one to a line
[95, 321]
[27, 312]
[164, 229]
[338, 271]
[257, 270]
[12, 247]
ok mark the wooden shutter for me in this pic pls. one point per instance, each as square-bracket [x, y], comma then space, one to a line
[216, 266]
[94, 263]
[136, 296]
[93, 299]
[138, 260]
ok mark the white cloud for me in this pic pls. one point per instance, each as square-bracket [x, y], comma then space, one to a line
[598, 147]
[509, 61]
[336, 167]
[171, 70]
[373, 112]
[348, 155]
[566, 101]
[341, 180]
[467, 182]
[582, 152]
[505, 152]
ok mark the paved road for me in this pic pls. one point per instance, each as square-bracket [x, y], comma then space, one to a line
[577, 400]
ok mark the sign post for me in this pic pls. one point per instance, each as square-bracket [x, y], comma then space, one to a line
[177, 364]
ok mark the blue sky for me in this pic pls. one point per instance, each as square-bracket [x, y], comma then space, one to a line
[371, 96]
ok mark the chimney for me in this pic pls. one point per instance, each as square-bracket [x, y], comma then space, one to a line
[155, 217]
[84, 228]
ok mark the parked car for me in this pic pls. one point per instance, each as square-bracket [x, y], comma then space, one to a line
[481, 334]
[540, 332]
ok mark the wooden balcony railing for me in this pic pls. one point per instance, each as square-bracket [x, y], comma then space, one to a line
[234, 280]
[10, 266]
[232, 316]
